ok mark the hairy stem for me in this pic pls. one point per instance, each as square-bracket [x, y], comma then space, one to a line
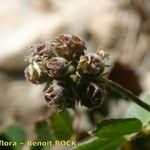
[123, 91]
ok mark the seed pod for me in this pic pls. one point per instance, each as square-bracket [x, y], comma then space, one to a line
[57, 67]
[91, 64]
[92, 95]
[55, 95]
[44, 50]
[36, 73]
[68, 46]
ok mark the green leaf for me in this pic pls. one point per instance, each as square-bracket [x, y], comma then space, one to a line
[36, 148]
[44, 133]
[4, 139]
[114, 128]
[138, 112]
[40, 148]
[16, 133]
[61, 124]
[100, 144]
[43, 130]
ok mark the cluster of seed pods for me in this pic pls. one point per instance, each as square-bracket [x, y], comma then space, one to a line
[69, 73]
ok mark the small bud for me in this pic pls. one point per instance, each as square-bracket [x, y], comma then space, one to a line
[55, 95]
[93, 95]
[68, 46]
[91, 64]
[57, 67]
[35, 73]
[103, 54]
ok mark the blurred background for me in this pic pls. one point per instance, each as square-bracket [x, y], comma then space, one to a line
[121, 27]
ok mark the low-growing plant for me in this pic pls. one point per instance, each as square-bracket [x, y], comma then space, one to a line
[72, 78]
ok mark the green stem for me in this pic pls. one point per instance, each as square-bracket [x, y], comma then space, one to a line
[123, 91]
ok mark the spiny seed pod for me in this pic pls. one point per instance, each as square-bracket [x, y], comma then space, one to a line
[68, 46]
[93, 95]
[91, 64]
[55, 95]
[42, 49]
[36, 73]
[57, 67]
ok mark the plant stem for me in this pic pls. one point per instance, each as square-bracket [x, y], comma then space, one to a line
[123, 91]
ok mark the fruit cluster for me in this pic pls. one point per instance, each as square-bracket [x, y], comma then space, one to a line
[69, 73]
